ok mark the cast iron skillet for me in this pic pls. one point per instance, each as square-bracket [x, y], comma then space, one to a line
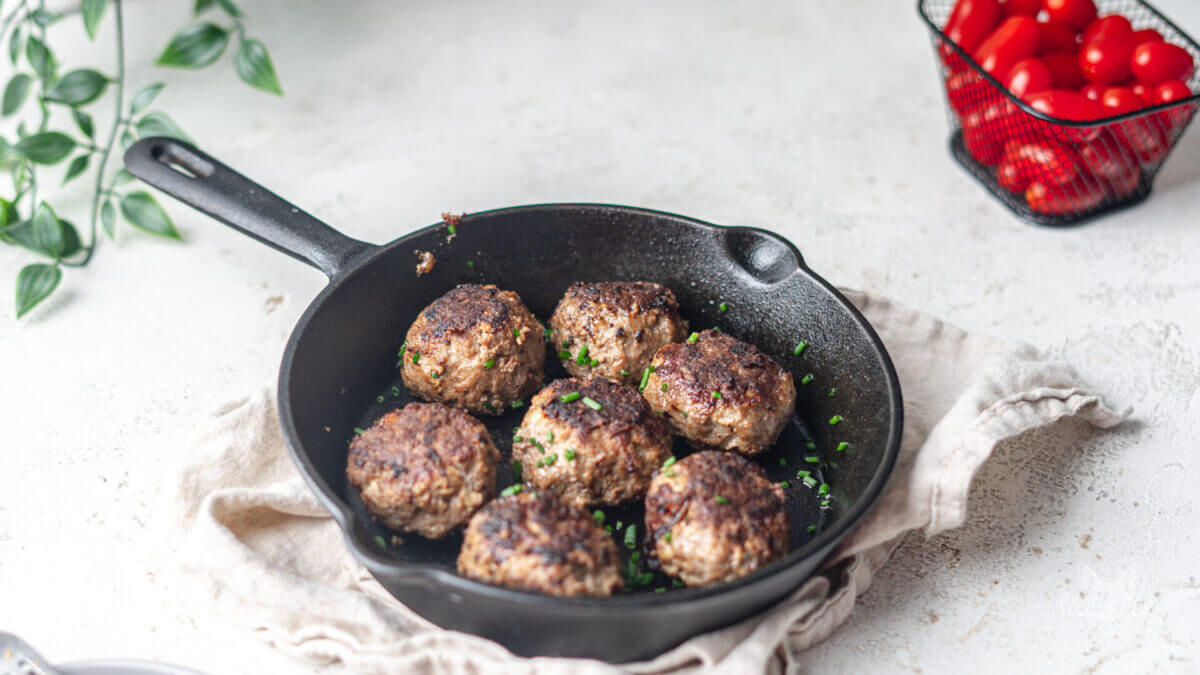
[339, 370]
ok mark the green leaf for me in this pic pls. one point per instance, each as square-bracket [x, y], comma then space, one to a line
[78, 166]
[127, 139]
[35, 283]
[108, 218]
[84, 122]
[15, 93]
[44, 17]
[202, 5]
[47, 231]
[159, 124]
[122, 177]
[196, 46]
[231, 9]
[78, 87]
[254, 66]
[8, 214]
[145, 97]
[71, 241]
[143, 212]
[48, 147]
[40, 58]
[14, 45]
[93, 13]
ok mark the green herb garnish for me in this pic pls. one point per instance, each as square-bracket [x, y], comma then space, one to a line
[783, 483]
[669, 463]
[570, 455]
[720, 500]
[516, 470]
[645, 380]
[812, 528]
[416, 357]
[564, 354]
[723, 307]
[803, 474]
[516, 404]
[806, 379]
[716, 394]
[631, 536]
[841, 447]
[582, 359]
[810, 481]
[510, 490]
[835, 419]
[358, 431]
[516, 332]
[824, 489]
[665, 386]
[693, 338]
[812, 459]
[800, 347]
[380, 541]
[624, 373]
[487, 365]
[598, 517]
[568, 398]
[589, 402]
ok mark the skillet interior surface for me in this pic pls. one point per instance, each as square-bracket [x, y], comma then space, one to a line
[340, 372]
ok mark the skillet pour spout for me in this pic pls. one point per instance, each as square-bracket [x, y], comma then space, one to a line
[339, 369]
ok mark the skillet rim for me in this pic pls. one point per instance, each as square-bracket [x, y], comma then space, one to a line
[378, 563]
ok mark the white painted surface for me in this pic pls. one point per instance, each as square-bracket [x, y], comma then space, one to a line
[822, 120]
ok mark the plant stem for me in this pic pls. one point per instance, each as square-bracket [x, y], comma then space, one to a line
[112, 136]
[12, 15]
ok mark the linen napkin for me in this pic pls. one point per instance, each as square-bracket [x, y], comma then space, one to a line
[259, 545]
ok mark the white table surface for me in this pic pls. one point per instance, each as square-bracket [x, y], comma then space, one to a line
[821, 120]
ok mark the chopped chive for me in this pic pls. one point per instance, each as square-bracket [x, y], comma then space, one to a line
[669, 463]
[537, 445]
[589, 402]
[547, 332]
[516, 470]
[593, 363]
[665, 386]
[598, 517]
[803, 474]
[800, 347]
[470, 264]
[677, 584]
[452, 229]
[723, 307]
[568, 398]
[835, 419]
[832, 392]
[516, 430]
[608, 528]
[783, 461]
[570, 455]
[566, 343]
[379, 399]
[806, 379]
[635, 556]
[358, 431]
[510, 490]
[716, 394]
[810, 481]
[416, 357]
[549, 436]
[489, 364]
[620, 524]
[380, 541]
[812, 459]
[631, 536]
[720, 500]
[841, 447]
[564, 354]
[435, 375]
[541, 462]
[653, 369]
[645, 380]
[783, 483]
[582, 359]
[667, 537]
[693, 338]
[716, 329]
[810, 445]
[824, 503]
[660, 589]
[516, 332]
[517, 439]
[395, 390]
[551, 460]
[684, 413]
[812, 528]
[400, 352]
[487, 405]
[516, 404]
[824, 489]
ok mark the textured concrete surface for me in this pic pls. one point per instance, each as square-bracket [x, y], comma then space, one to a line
[820, 120]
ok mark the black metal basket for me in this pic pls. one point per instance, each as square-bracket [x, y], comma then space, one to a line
[1099, 166]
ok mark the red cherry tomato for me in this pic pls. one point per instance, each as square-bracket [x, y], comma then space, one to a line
[1113, 24]
[1155, 62]
[1015, 39]
[1066, 105]
[1020, 7]
[1043, 160]
[1125, 184]
[986, 129]
[1010, 177]
[1145, 93]
[971, 21]
[1075, 13]
[1146, 137]
[1092, 91]
[1119, 100]
[1064, 69]
[1073, 198]
[1146, 35]
[1171, 91]
[1105, 60]
[1106, 158]
[1028, 76]
[967, 90]
[1056, 38]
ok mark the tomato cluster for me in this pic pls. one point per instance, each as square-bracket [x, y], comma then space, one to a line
[1066, 62]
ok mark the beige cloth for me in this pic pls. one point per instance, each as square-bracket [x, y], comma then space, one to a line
[258, 543]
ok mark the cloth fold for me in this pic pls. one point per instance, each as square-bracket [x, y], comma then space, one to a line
[256, 542]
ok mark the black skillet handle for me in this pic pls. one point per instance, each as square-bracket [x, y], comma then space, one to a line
[207, 185]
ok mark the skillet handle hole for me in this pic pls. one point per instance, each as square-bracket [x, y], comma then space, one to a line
[181, 161]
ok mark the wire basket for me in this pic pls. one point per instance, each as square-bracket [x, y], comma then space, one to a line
[1082, 169]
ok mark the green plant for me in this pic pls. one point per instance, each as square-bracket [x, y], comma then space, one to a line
[24, 220]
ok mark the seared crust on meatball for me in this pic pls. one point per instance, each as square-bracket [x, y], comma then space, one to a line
[622, 323]
[590, 456]
[720, 392]
[714, 517]
[537, 542]
[476, 347]
[425, 468]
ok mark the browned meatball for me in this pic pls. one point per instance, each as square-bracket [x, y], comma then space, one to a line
[424, 469]
[476, 347]
[538, 542]
[713, 517]
[620, 323]
[719, 392]
[591, 442]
